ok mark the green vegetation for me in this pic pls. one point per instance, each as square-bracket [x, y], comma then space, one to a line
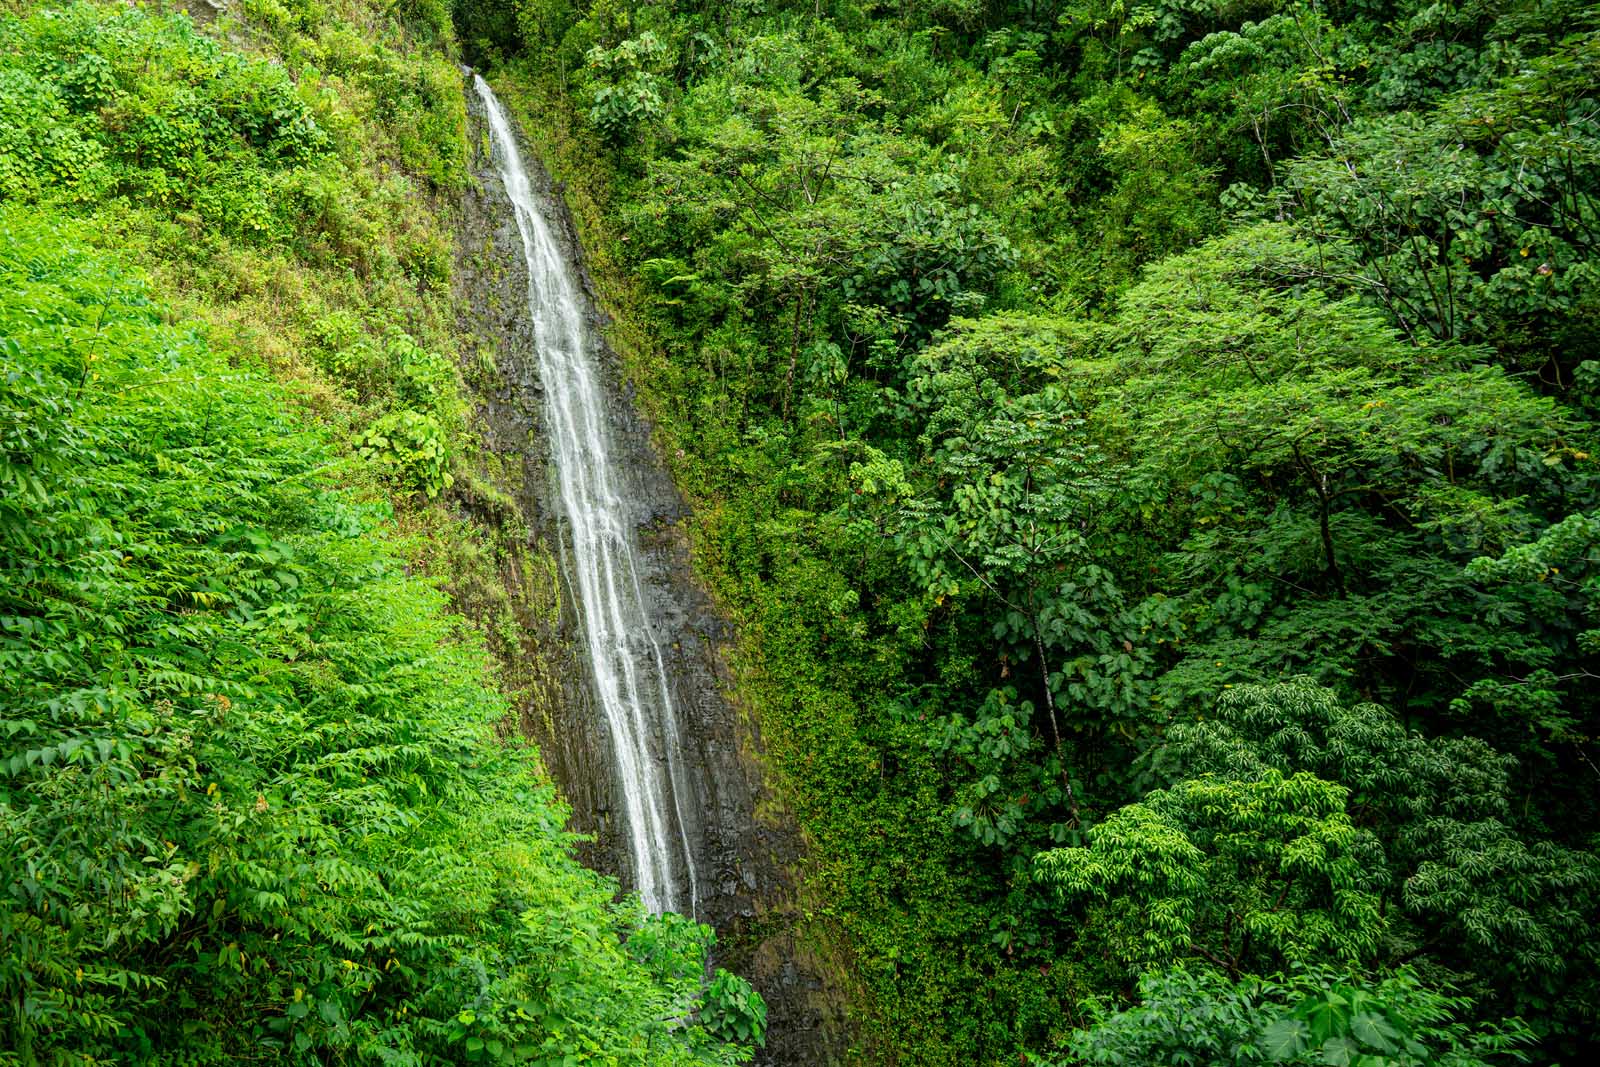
[256, 800]
[1148, 452]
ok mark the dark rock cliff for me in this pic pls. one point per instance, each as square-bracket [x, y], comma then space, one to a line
[745, 854]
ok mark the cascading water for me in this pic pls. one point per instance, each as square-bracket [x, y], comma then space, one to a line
[598, 545]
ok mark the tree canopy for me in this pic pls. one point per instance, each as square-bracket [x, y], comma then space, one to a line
[1149, 452]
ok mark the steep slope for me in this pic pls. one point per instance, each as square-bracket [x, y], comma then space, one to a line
[262, 795]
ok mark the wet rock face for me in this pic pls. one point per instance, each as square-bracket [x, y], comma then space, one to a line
[746, 863]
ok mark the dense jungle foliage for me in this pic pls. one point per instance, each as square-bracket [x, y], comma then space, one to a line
[1148, 451]
[260, 794]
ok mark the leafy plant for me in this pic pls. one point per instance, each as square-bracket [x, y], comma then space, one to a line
[733, 1010]
[1245, 874]
[1316, 1015]
[628, 93]
[412, 446]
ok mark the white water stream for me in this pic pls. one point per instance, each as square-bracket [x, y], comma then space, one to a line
[629, 670]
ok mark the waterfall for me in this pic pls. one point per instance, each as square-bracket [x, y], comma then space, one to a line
[598, 548]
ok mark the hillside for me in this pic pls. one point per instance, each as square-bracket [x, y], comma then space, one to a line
[261, 793]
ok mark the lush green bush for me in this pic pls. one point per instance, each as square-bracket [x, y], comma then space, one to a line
[251, 802]
[1315, 1015]
[408, 445]
[733, 1011]
[124, 104]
